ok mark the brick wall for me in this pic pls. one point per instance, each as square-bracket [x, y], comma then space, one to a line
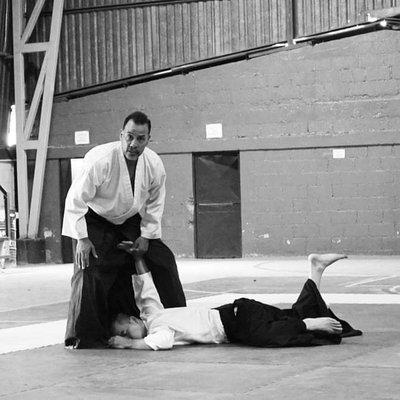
[178, 225]
[284, 112]
[346, 87]
[302, 201]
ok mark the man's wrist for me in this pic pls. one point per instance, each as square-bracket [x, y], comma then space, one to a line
[141, 267]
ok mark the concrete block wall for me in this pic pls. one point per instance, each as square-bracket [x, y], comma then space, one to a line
[341, 88]
[284, 112]
[303, 201]
[178, 221]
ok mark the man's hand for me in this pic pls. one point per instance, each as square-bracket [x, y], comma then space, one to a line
[140, 264]
[326, 324]
[141, 245]
[83, 250]
[130, 248]
[137, 248]
[119, 342]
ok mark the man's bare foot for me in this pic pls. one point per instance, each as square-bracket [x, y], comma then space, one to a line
[321, 261]
[326, 324]
[318, 263]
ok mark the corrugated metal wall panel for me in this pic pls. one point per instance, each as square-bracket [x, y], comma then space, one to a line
[316, 16]
[100, 45]
[6, 69]
[107, 40]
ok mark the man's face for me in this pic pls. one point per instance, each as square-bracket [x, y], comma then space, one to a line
[134, 139]
[130, 327]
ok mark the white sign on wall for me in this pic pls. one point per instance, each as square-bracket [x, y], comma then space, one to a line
[82, 137]
[339, 153]
[213, 131]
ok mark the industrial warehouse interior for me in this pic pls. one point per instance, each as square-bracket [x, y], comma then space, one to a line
[183, 168]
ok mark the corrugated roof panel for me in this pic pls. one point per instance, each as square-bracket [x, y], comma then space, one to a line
[101, 45]
[316, 16]
[125, 39]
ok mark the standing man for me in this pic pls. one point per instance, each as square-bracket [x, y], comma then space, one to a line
[118, 196]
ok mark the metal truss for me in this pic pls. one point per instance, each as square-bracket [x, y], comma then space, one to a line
[29, 214]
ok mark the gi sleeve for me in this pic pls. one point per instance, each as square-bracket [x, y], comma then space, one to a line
[162, 339]
[82, 190]
[153, 209]
[146, 295]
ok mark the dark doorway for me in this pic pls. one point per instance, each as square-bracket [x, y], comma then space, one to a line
[217, 205]
[65, 183]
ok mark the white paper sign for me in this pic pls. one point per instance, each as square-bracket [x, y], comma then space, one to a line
[339, 153]
[214, 131]
[82, 137]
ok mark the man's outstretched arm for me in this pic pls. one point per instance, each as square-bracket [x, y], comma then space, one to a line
[163, 339]
[129, 247]
[146, 295]
[141, 267]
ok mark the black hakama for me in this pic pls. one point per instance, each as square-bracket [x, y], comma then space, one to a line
[253, 323]
[104, 289]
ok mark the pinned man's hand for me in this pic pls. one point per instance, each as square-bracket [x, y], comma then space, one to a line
[118, 342]
[141, 245]
[131, 248]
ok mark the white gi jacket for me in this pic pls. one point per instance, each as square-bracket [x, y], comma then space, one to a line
[104, 186]
[167, 327]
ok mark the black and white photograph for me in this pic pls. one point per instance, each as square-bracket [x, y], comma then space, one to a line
[200, 199]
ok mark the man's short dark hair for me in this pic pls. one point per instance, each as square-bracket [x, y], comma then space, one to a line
[138, 118]
[119, 318]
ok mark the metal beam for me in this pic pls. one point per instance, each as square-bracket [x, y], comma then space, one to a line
[32, 20]
[44, 91]
[45, 118]
[290, 29]
[34, 47]
[35, 100]
[30, 144]
[19, 87]
[111, 7]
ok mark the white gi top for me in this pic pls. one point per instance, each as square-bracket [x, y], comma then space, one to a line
[104, 186]
[167, 327]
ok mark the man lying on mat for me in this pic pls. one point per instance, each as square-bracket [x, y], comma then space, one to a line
[308, 323]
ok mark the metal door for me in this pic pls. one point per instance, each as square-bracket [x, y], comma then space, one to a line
[217, 205]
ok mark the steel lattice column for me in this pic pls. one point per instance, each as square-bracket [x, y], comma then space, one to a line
[29, 214]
